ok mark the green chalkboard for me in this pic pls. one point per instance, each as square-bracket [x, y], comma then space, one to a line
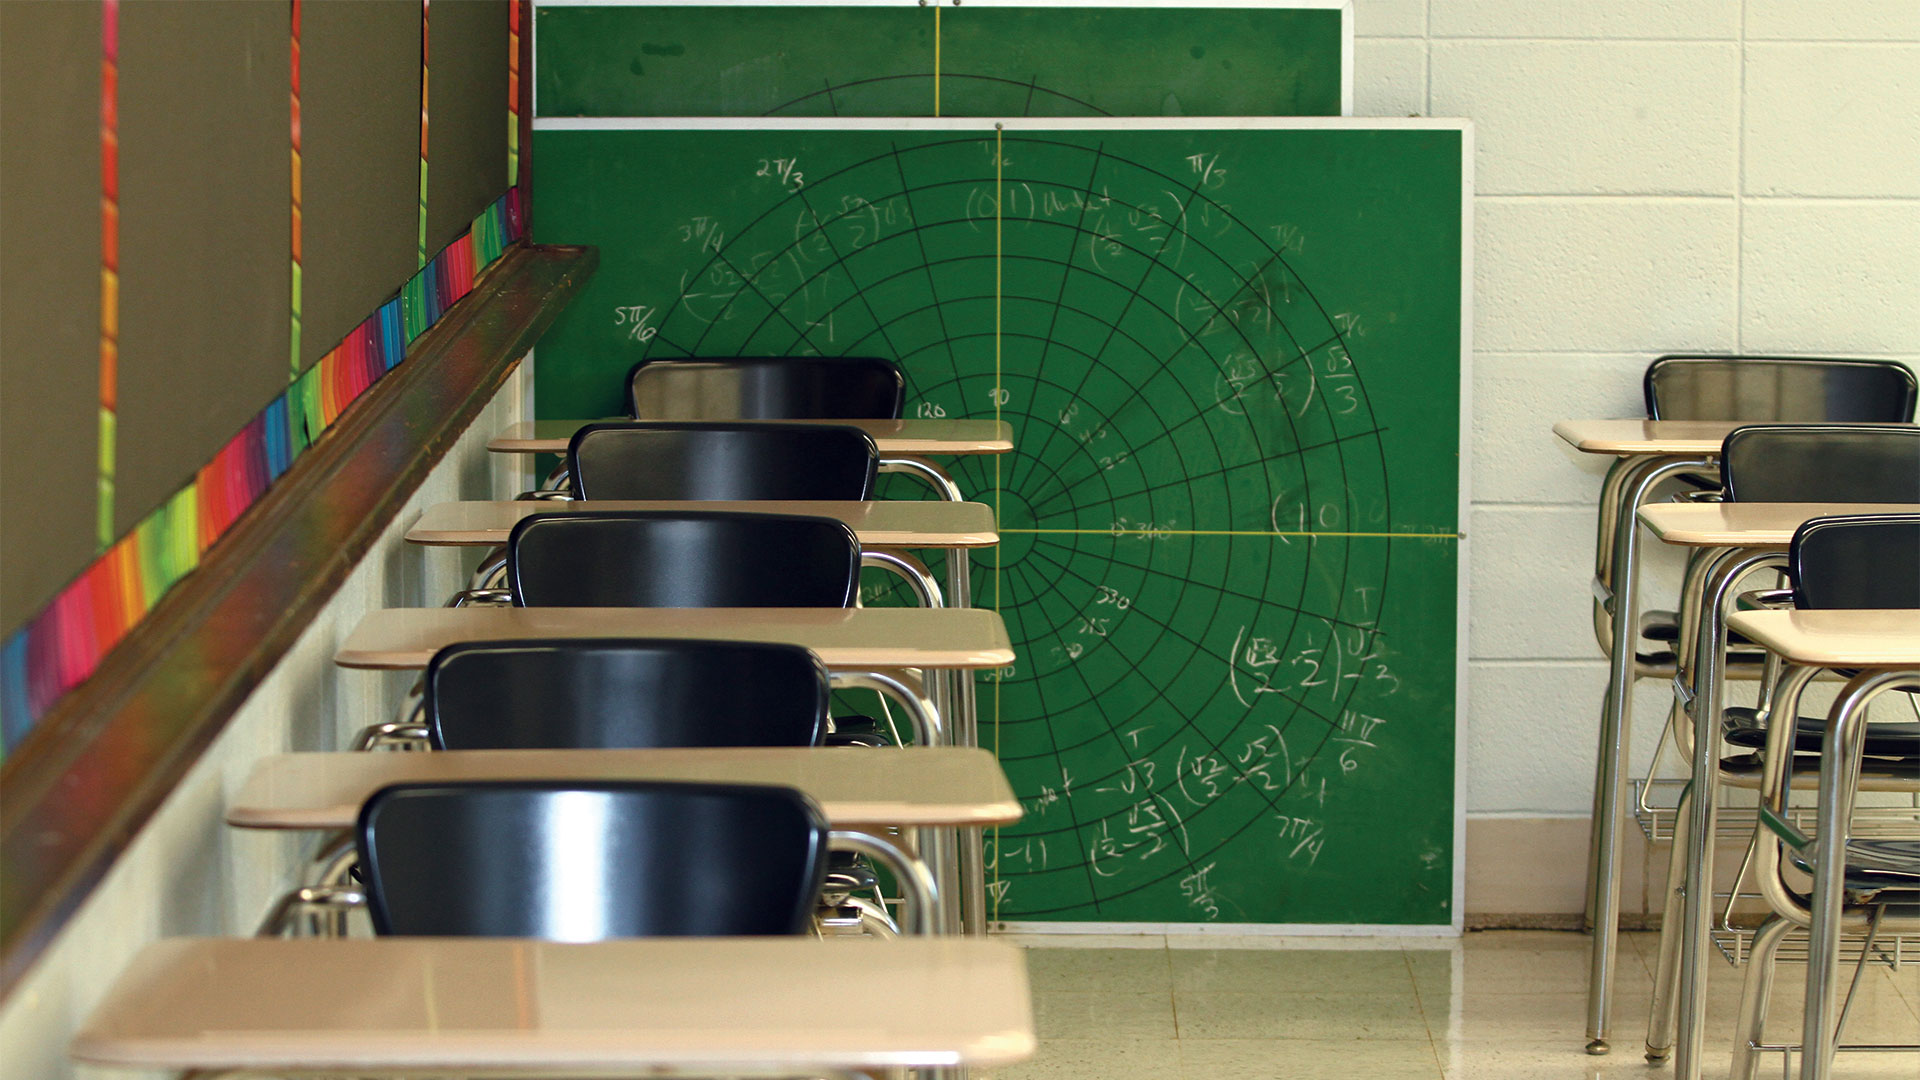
[1231, 355]
[971, 60]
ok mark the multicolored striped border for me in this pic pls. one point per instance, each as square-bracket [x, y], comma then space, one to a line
[65, 642]
[109, 263]
[513, 94]
[423, 130]
[293, 352]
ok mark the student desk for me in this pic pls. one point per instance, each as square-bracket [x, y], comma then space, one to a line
[861, 791]
[1644, 453]
[1736, 539]
[954, 527]
[894, 438]
[647, 1006]
[1885, 647]
[1750, 524]
[847, 640]
[870, 648]
[904, 445]
[890, 524]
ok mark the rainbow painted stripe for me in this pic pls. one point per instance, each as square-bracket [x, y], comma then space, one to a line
[109, 264]
[293, 353]
[65, 642]
[423, 130]
[513, 93]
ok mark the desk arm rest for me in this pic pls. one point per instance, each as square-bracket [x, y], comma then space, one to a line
[544, 495]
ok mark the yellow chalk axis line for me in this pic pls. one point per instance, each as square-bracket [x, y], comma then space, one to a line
[999, 171]
[1229, 532]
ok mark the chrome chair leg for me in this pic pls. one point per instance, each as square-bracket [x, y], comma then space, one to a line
[1756, 989]
[492, 571]
[929, 726]
[1839, 777]
[1723, 575]
[908, 569]
[874, 918]
[927, 473]
[922, 901]
[322, 905]
[1615, 720]
[1666, 971]
[407, 733]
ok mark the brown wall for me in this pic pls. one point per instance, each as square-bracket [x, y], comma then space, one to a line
[360, 162]
[467, 114]
[205, 262]
[49, 296]
[205, 225]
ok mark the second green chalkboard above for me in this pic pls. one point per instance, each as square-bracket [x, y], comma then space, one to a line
[977, 59]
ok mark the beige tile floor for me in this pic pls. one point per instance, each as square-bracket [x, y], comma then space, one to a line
[1502, 1005]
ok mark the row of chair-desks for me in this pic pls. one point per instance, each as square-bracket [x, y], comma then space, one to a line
[1731, 539]
[1879, 650]
[1727, 538]
[721, 1006]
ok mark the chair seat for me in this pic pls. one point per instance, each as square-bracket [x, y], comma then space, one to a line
[1887, 870]
[1664, 627]
[1876, 774]
[849, 872]
[1901, 739]
[858, 731]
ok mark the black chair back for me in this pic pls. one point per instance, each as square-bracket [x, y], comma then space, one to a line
[1821, 463]
[624, 693]
[1871, 561]
[767, 388]
[650, 460]
[613, 558]
[574, 861]
[1773, 389]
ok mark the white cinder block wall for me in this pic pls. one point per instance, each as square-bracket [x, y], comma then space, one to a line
[1653, 176]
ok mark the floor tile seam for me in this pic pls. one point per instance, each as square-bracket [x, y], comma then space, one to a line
[1173, 998]
[1419, 1002]
[1298, 997]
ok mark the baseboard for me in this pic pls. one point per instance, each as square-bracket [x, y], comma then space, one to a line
[1190, 929]
[1531, 873]
[1523, 873]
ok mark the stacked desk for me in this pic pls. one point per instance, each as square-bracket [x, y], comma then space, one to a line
[1736, 538]
[730, 1006]
[1884, 648]
[1645, 453]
